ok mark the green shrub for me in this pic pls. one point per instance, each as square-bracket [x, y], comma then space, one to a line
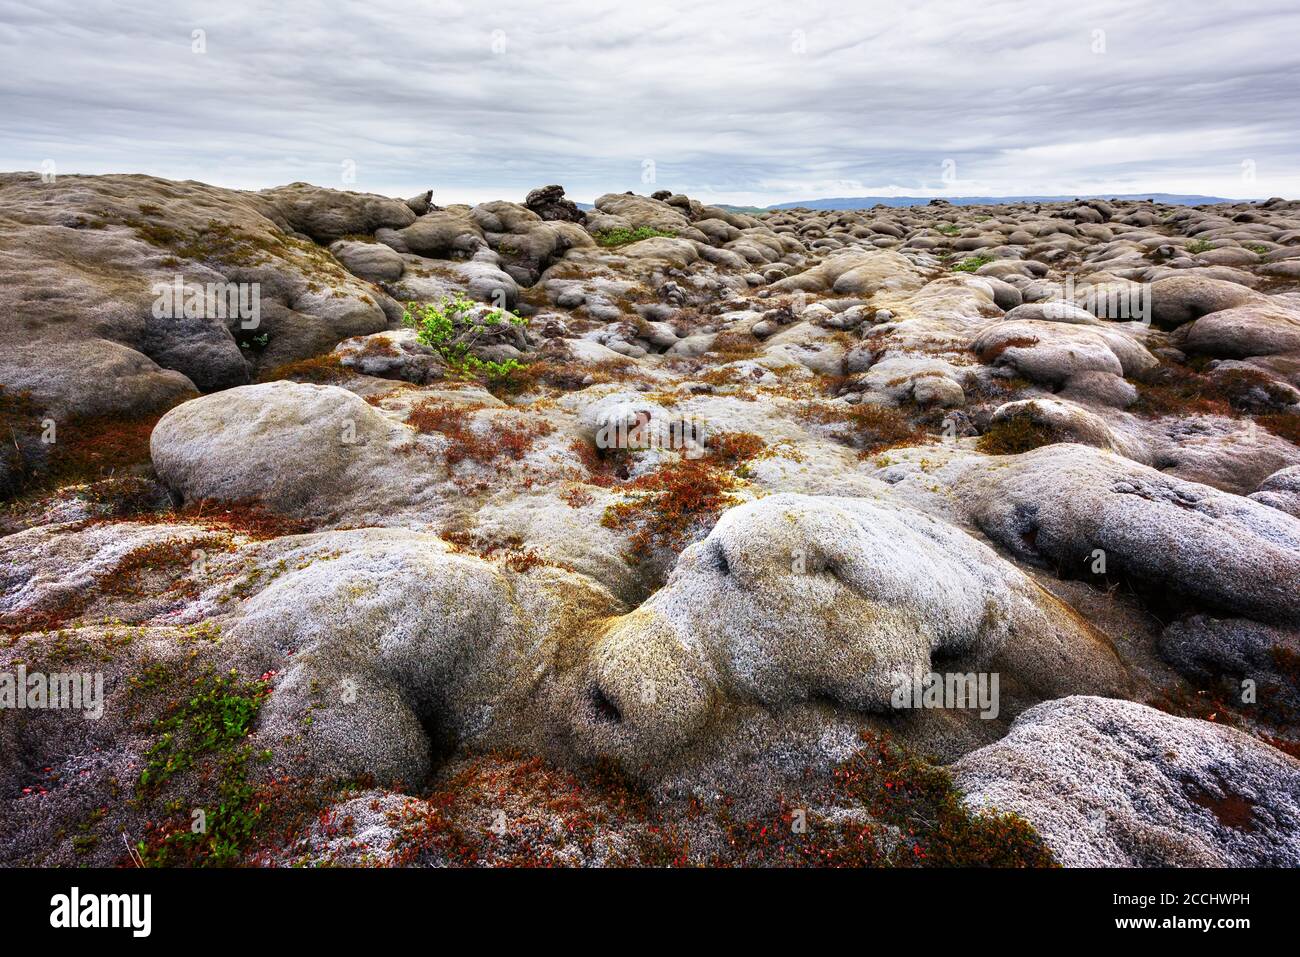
[449, 330]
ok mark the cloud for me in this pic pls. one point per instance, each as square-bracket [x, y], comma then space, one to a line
[731, 101]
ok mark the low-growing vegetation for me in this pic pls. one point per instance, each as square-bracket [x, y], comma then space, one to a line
[1013, 434]
[972, 263]
[735, 448]
[901, 811]
[327, 369]
[867, 427]
[455, 423]
[1174, 389]
[565, 376]
[611, 238]
[671, 505]
[453, 328]
[210, 728]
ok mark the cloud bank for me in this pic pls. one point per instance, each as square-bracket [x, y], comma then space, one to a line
[745, 102]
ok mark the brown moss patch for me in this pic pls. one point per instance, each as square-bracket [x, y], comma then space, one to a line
[867, 427]
[991, 354]
[1285, 425]
[510, 550]
[1014, 434]
[135, 576]
[1175, 389]
[1232, 809]
[318, 370]
[131, 577]
[994, 388]
[17, 410]
[83, 450]
[36, 445]
[94, 448]
[1172, 389]
[380, 347]
[733, 346]
[126, 496]
[249, 518]
[604, 467]
[505, 809]
[20, 422]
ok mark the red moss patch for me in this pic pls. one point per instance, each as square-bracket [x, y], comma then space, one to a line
[566, 376]
[246, 518]
[89, 449]
[604, 466]
[455, 423]
[130, 578]
[510, 550]
[576, 497]
[735, 448]
[670, 505]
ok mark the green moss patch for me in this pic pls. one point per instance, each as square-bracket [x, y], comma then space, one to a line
[611, 238]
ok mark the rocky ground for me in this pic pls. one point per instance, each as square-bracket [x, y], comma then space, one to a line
[515, 534]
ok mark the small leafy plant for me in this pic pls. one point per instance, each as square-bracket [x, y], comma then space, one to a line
[1197, 246]
[451, 329]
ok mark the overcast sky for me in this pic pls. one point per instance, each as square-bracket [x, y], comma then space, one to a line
[745, 102]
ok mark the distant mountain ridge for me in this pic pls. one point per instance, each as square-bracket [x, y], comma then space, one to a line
[865, 202]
